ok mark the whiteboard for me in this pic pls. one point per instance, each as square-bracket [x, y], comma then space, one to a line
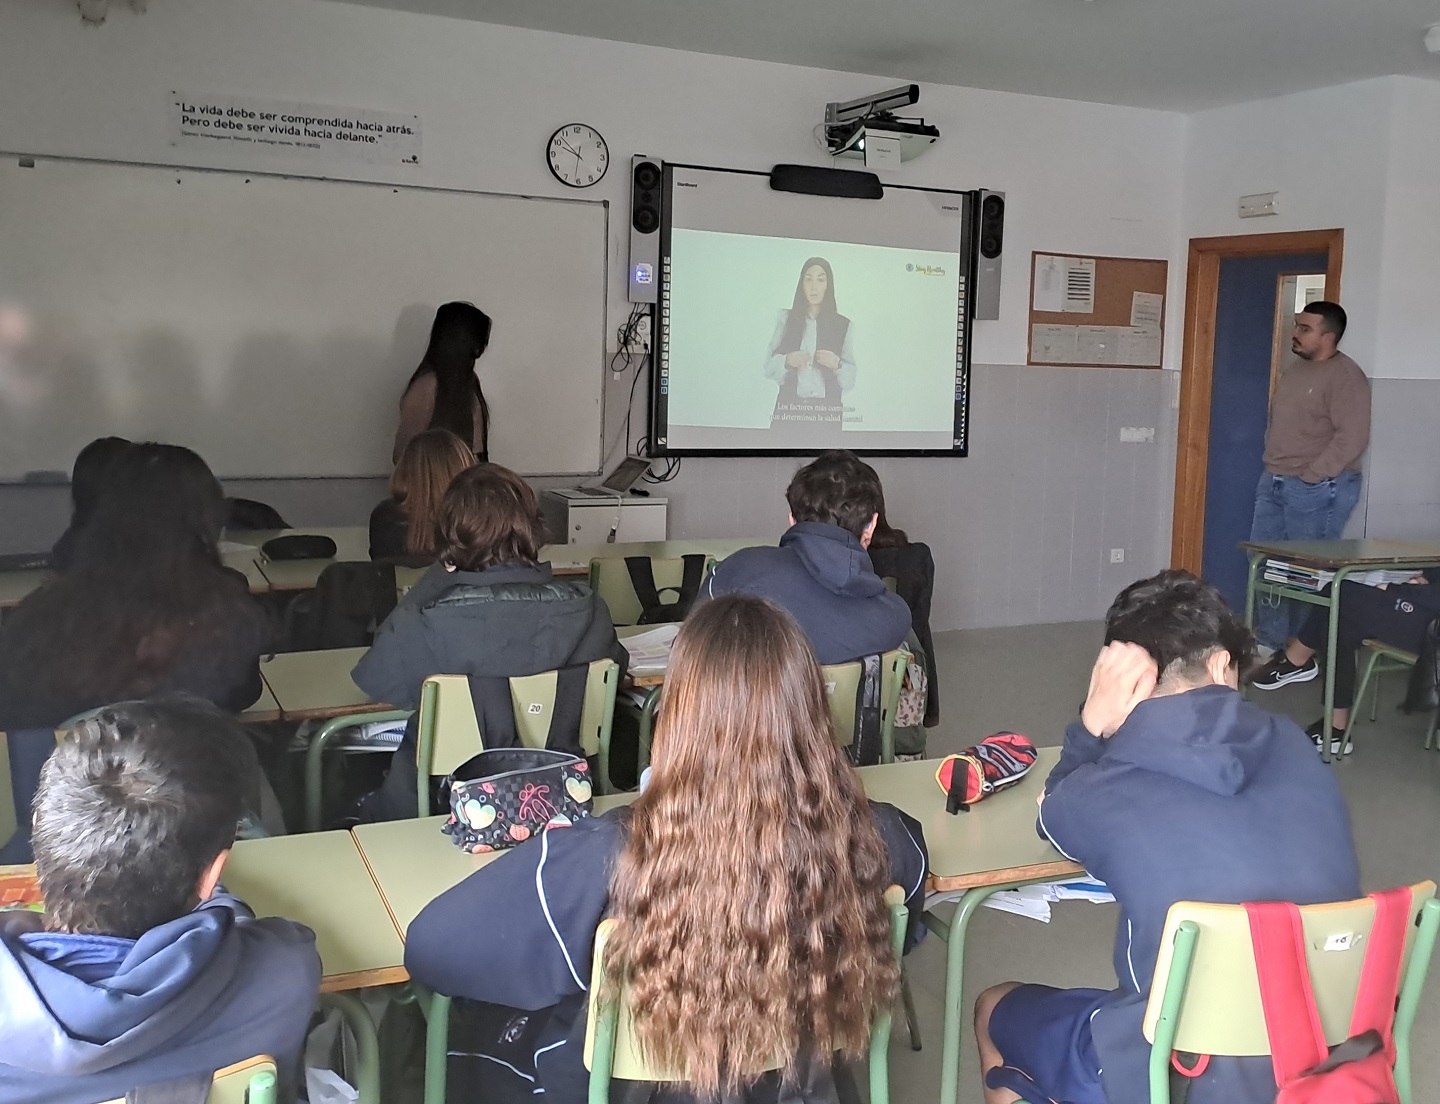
[271, 323]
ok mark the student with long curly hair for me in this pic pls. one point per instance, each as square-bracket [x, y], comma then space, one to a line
[747, 881]
[406, 526]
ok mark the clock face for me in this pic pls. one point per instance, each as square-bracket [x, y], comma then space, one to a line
[578, 155]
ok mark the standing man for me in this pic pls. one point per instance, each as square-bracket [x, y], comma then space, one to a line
[1319, 427]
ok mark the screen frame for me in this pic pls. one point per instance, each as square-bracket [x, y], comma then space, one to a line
[658, 413]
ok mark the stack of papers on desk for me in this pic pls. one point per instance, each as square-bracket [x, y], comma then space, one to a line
[650, 650]
[1034, 901]
[1317, 579]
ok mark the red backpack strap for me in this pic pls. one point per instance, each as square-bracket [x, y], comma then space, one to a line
[1297, 1041]
[1380, 977]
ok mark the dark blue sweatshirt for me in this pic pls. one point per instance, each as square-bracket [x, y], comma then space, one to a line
[86, 1018]
[825, 580]
[1200, 796]
[553, 892]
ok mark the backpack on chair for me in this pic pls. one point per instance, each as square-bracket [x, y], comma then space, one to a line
[653, 610]
[1361, 1069]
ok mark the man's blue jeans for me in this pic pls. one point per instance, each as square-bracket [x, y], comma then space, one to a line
[1288, 508]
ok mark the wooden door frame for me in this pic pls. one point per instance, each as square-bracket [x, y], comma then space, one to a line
[1197, 365]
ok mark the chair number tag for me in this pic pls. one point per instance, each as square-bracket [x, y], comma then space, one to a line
[536, 708]
[1341, 941]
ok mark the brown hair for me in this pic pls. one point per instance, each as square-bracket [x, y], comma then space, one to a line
[837, 488]
[427, 467]
[885, 535]
[749, 791]
[490, 516]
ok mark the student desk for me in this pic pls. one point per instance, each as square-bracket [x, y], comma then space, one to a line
[15, 586]
[992, 847]
[1343, 557]
[312, 686]
[265, 707]
[574, 559]
[321, 880]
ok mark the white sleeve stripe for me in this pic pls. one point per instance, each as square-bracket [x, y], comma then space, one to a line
[1051, 838]
[545, 908]
[924, 866]
[552, 1046]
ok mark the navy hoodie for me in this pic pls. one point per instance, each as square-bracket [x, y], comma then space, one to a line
[1200, 796]
[553, 892]
[87, 1018]
[825, 580]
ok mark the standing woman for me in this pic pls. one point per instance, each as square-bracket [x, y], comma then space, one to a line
[811, 355]
[406, 526]
[747, 881]
[444, 392]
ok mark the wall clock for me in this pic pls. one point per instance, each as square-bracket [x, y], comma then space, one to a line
[577, 155]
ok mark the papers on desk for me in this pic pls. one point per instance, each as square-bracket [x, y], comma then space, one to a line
[1034, 901]
[1317, 579]
[650, 650]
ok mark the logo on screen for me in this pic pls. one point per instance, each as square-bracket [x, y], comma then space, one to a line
[925, 269]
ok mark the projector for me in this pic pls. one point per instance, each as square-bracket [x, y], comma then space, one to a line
[868, 127]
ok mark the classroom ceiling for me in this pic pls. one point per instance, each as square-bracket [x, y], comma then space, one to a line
[1182, 55]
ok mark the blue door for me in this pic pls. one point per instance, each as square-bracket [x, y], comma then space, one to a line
[1239, 406]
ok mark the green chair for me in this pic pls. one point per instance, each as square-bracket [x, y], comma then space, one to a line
[249, 1082]
[1206, 995]
[1380, 659]
[612, 1053]
[610, 580]
[315, 749]
[842, 680]
[449, 732]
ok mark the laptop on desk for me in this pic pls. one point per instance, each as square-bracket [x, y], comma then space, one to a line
[618, 483]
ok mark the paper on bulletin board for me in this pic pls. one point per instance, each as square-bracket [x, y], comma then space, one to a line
[1138, 346]
[1063, 285]
[1053, 344]
[1146, 310]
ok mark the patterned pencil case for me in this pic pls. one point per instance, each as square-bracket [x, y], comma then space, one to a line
[504, 796]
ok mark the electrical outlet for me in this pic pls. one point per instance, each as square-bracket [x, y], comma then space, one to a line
[640, 338]
[1117, 555]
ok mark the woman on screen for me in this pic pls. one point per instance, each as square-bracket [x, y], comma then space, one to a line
[811, 356]
[444, 392]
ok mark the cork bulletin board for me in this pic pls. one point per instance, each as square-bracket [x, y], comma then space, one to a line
[1089, 312]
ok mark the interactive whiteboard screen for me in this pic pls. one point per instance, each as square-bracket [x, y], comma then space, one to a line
[796, 323]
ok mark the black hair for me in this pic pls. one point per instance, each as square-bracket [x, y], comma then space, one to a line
[885, 535]
[459, 336]
[142, 569]
[800, 307]
[132, 808]
[836, 488]
[1332, 316]
[94, 465]
[1180, 620]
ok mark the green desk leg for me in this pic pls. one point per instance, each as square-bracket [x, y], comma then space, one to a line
[437, 1043]
[367, 1043]
[954, 935]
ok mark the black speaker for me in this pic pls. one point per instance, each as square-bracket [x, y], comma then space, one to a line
[990, 242]
[816, 180]
[646, 185]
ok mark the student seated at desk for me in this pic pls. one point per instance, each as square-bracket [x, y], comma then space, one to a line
[1396, 614]
[95, 465]
[1171, 787]
[142, 969]
[821, 573]
[488, 608]
[405, 527]
[147, 607]
[747, 880]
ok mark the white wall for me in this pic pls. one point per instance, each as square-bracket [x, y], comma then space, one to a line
[1080, 177]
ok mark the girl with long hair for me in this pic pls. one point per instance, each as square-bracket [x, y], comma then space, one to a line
[95, 465]
[747, 881]
[146, 607]
[444, 392]
[811, 356]
[406, 526]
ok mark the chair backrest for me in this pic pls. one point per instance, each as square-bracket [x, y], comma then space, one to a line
[611, 1050]
[1213, 972]
[842, 680]
[252, 1081]
[610, 579]
[449, 729]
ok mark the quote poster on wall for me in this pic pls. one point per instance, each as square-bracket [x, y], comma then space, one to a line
[326, 133]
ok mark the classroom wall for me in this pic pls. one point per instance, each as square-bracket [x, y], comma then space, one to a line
[1021, 530]
[1358, 156]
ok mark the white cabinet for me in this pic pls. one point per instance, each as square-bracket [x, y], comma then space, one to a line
[575, 516]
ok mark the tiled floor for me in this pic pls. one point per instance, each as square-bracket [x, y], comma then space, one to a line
[1032, 680]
